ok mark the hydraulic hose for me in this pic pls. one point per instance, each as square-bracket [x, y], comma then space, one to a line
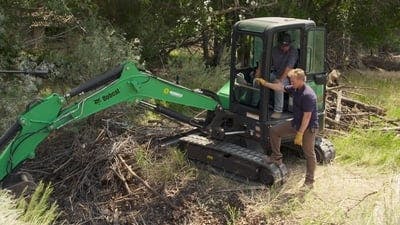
[170, 113]
[97, 82]
[10, 134]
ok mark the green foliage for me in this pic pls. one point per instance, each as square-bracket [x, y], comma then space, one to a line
[80, 8]
[150, 21]
[379, 30]
[8, 44]
[37, 210]
[16, 93]
[232, 216]
[163, 26]
[193, 73]
[190, 71]
[99, 50]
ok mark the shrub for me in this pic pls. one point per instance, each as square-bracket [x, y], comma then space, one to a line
[98, 50]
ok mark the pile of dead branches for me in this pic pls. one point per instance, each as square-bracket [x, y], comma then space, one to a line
[344, 112]
[385, 62]
[93, 170]
[98, 172]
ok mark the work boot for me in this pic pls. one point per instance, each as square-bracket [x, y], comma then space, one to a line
[276, 115]
[269, 160]
[308, 184]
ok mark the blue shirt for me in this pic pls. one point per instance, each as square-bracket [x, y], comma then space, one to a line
[304, 100]
[281, 60]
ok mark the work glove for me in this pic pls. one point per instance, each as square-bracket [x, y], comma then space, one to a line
[261, 81]
[298, 140]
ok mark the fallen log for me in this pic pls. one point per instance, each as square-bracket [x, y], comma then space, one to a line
[385, 129]
[352, 103]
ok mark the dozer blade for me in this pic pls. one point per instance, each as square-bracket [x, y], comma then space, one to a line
[233, 159]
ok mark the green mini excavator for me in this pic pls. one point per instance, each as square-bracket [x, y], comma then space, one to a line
[234, 134]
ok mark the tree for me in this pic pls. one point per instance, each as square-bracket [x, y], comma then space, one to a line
[164, 25]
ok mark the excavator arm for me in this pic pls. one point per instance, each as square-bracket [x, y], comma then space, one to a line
[124, 83]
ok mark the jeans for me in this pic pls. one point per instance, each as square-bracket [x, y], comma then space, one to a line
[285, 129]
[278, 95]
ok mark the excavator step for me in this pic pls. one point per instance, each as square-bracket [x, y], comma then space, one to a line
[233, 159]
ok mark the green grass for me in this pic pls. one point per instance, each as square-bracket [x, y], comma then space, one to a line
[174, 166]
[370, 147]
[232, 215]
[377, 88]
[37, 209]
[34, 210]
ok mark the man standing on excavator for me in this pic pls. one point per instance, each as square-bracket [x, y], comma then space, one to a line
[304, 124]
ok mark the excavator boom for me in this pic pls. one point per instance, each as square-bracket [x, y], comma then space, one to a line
[125, 83]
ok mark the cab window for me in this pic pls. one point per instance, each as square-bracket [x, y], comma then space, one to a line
[248, 56]
[315, 51]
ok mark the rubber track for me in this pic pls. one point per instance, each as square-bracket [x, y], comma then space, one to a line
[279, 173]
[325, 149]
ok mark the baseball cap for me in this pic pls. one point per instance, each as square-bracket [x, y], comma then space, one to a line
[285, 39]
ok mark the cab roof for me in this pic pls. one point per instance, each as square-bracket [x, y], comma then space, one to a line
[263, 24]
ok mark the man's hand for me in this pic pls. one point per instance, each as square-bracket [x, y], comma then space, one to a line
[298, 140]
[261, 81]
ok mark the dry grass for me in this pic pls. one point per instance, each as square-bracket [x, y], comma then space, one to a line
[8, 210]
[341, 195]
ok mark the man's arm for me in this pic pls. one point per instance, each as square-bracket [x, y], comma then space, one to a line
[304, 122]
[284, 73]
[278, 86]
[298, 139]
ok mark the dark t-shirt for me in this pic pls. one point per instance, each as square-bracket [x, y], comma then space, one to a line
[281, 60]
[304, 100]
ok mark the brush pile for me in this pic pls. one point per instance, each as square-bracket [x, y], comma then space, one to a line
[108, 172]
[344, 112]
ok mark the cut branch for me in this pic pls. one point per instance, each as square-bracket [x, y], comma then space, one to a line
[359, 202]
[338, 106]
[366, 107]
[145, 183]
[122, 178]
